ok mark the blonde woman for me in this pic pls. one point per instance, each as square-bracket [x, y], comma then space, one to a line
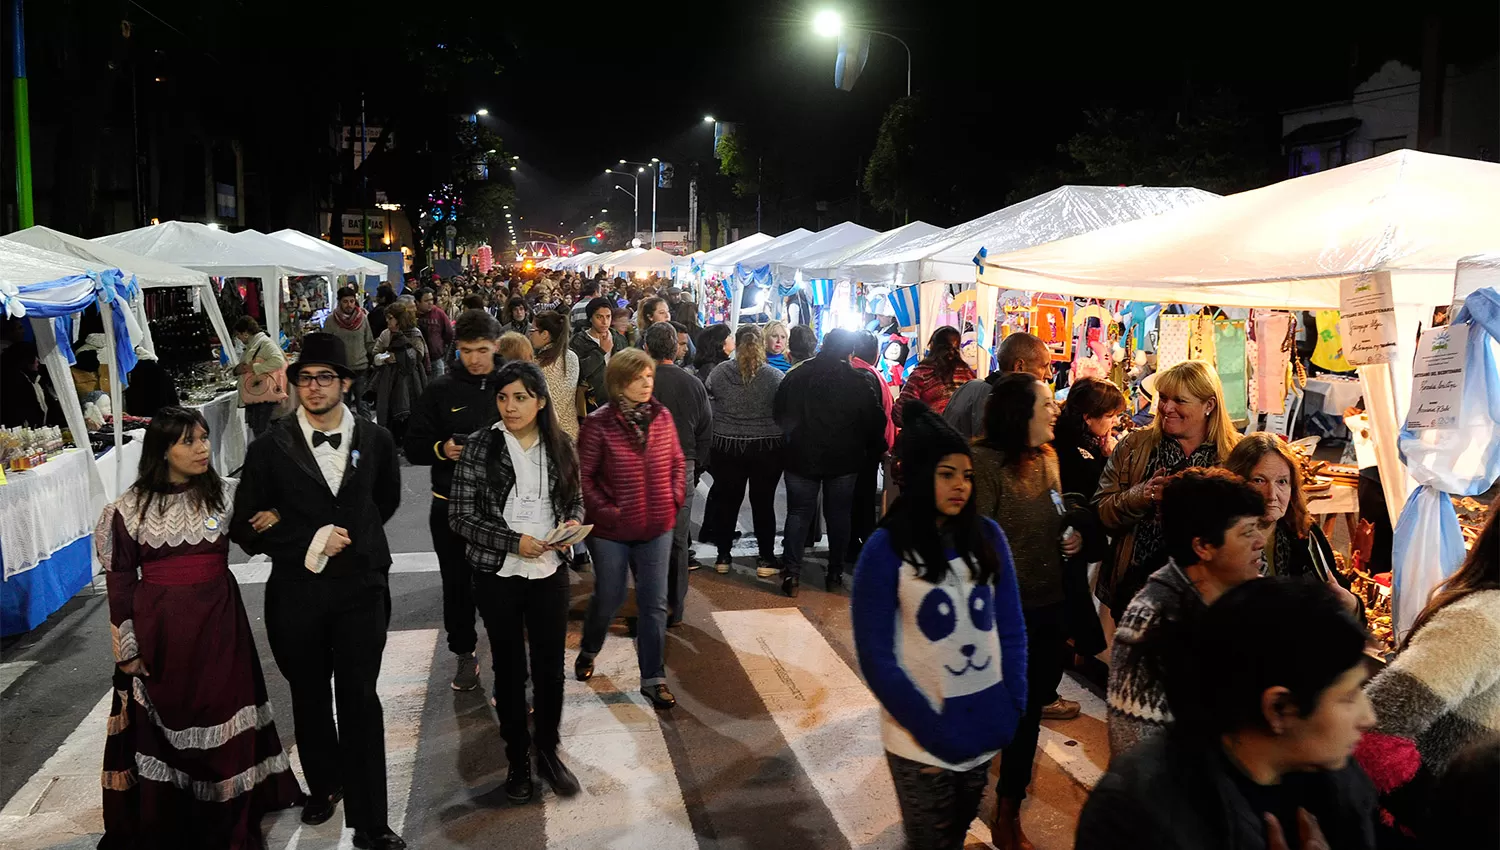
[1192, 428]
[747, 448]
[777, 336]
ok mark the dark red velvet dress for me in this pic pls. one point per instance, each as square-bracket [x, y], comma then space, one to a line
[192, 757]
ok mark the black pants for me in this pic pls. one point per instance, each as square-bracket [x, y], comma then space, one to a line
[802, 508]
[519, 613]
[334, 628]
[937, 805]
[760, 469]
[1046, 639]
[682, 551]
[866, 510]
[458, 582]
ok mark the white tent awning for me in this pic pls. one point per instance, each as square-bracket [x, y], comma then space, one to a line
[760, 255]
[349, 261]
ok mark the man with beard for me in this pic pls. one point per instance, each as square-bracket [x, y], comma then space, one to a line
[351, 325]
[329, 481]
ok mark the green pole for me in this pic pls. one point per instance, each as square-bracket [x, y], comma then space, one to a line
[23, 117]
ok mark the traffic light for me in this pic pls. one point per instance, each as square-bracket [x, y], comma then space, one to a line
[598, 235]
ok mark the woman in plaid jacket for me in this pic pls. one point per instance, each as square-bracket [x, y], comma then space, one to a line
[515, 482]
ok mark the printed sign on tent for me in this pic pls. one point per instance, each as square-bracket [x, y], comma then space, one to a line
[1369, 319]
[1437, 386]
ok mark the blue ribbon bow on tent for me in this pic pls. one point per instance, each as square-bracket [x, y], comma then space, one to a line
[1462, 461]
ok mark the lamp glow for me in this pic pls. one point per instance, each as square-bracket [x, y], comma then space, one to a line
[828, 23]
[708, 119]
[481, 112]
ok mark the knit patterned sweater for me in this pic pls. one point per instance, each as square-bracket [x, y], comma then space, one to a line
[1137, 700]
[1441, 694]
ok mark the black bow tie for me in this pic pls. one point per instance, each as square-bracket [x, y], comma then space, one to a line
[321, 437]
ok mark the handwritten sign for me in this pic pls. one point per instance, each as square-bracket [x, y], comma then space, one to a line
[1437, 388]
[1368, 325]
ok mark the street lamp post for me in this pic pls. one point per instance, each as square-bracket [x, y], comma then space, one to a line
[634, 196]
[829, 23]
[655, 166]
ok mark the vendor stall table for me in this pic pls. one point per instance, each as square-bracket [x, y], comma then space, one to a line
[1337, 394]
[118, 466]
[1339, 499]
[226, 431]
[46, 519]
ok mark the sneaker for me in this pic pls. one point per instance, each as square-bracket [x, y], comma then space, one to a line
[722, 568]
[766, 569]
[1060, 709]
[467, 676]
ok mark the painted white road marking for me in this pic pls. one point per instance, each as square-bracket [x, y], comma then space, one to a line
[62, 801]
[10, 671]
[612, 740]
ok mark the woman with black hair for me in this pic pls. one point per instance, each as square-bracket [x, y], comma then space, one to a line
[182, 767]
[515, 482]
[1267, 719]
[939, 374]
[939, 633]
[801, 346]
[714, 347]
[1016, 483]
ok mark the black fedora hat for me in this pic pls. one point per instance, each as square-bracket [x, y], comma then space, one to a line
[322, 349]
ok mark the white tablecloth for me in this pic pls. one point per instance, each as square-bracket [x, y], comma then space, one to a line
[119, 467]
[1339, 394]
[226, 429]
[44, 509]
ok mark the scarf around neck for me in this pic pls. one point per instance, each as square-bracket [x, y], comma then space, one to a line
[349, 321]
[637, 419]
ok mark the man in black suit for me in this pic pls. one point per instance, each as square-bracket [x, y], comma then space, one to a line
[315, 494]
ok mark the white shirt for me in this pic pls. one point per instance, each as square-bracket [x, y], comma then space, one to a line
[331, 462]
[528, 508]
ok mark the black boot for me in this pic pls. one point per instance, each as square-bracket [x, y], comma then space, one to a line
[383, 839]
[789, 585]
[555, 773]
[583, 667]
[518, 785]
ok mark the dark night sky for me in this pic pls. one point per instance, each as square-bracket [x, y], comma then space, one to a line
[1020, 74]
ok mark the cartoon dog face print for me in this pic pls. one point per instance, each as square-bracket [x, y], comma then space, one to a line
[960, 633]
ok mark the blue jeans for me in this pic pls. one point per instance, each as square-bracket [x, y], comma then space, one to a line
[802, 504]
[613, 560]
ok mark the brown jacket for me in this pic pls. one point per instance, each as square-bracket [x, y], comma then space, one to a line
[1118, 509]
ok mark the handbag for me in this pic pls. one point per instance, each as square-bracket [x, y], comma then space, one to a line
[258, 389]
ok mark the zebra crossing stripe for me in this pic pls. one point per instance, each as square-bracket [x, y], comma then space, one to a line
[612, 740]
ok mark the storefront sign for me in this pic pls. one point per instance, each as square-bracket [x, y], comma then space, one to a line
[1369, 319]
[1437, 387]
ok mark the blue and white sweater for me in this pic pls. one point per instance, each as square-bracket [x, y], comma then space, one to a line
[947, 661]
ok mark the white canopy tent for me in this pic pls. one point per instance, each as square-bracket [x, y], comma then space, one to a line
[288, 255]
[653, 260]
[577, 261]
[353, 264]
[760, 255]
[619, 257]
[835, 262]
[730, 254]
[828, 241]
[1060, 213]
[147, 272]
[214, 252]
[1411, 215]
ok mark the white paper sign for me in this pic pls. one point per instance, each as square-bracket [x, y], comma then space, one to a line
[1368, 322]
[1437, 380]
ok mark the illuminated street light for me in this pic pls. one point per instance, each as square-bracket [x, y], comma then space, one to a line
[708, 119]
[512, 168]
[213, 225]
[828, 23]
[481, 112]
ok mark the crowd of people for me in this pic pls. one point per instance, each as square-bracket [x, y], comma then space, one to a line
[1242, 711]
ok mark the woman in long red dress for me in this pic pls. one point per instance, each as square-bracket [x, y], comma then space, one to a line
[192, 757]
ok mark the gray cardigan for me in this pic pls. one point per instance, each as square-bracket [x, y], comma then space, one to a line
[744, 417]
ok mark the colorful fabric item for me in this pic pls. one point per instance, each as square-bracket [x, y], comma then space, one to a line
[1172, 341]
[350, 320]
[1329, 352]
[1271, 362]
[1136, 697]
[1229, 362]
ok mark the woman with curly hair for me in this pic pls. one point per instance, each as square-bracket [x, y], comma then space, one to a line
[938, 376]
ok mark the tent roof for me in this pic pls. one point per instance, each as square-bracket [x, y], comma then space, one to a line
[148, 272]
[825, 241]
[734, 250]
[346, 260]
[1062, 212]
[613, 260]
[828, 262]
[653, 260]
[196, 246]
[1287, 244]
[766, 252]
[287, 255]
[25, 264]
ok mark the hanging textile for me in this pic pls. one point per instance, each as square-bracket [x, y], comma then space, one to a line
[906, 306]
[822, 291]
[1172, 341]
[1272, 359]
[1229, 362]
[1328, 353]
[1201, 338]
[1462, 461]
